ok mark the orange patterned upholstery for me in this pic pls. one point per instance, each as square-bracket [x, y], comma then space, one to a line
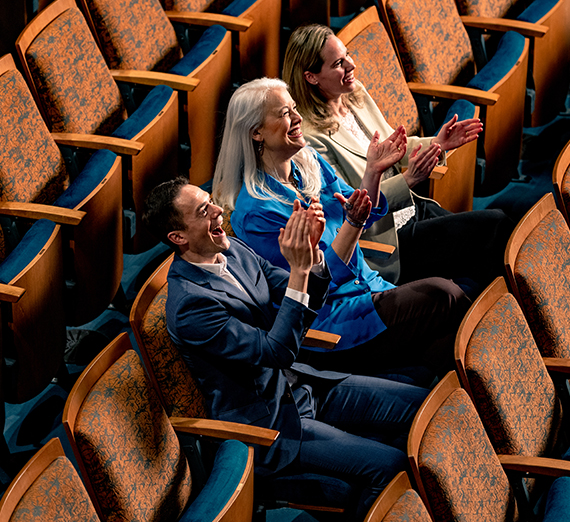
[57, 494]
[32, 168]
[212, 6]
[386, 84]
[144, 41]
[137, 471]
[511, 387]
[459, 469]
[488, 8]
[75, 87]
[542, 272]
[420, 41]
[408, 507]
[180, 393]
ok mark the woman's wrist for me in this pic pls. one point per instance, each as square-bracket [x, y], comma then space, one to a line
[355, 222]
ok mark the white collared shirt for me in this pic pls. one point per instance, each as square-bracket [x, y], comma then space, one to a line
[221, 269]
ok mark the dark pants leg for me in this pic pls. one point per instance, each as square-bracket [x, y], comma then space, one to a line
[438, 243]
[358, 434]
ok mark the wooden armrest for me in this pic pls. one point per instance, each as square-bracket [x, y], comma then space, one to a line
[454, 92]
[92, 141]
[377, 247]
[60, 215]
[11, 294]
[535, 465]
[152, 78]
[555, 364]
[438, 172]
[225, 430]
[527, 29]
[232, 23]
[318, 339]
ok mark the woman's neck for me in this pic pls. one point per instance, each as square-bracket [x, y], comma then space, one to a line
[338, 108]
[280, 170]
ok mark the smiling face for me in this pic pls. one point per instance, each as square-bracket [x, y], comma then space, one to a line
[281, 129]
[336, 76]
[203, 237]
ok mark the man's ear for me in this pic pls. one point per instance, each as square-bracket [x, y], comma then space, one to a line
[310, 77]
[257, 136]
[177, 238]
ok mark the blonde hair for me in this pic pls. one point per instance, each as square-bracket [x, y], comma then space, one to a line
[240, 161]
[304, 54]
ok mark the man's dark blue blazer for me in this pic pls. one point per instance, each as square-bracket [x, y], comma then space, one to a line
[238, 345]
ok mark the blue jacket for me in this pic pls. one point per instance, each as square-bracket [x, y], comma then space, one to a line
[238, 345]
[349, 310]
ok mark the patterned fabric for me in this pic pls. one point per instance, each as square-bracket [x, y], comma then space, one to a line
[129, 447]
[32, 168]
[379, 71]
[179, 389]
[433, 43]
[488, 8]
[135, 34]
[459, 468]
[513, 391]
[542, 273]
[75, 87]
[565, 190]
[409, 507]
[57, 494]
[226, 223]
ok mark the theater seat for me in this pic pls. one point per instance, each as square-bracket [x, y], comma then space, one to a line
[129, 455]
[434, 48]
[138, 39]
[77, 94]
[48, 488]
[459, 475]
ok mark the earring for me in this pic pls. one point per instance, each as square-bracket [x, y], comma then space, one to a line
[260, 148]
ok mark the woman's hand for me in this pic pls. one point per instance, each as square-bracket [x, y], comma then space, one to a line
[421, 164]
[383, 155]
[358, 206]
[457, 133]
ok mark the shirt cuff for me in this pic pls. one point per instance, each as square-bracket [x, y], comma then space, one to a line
[300, 297]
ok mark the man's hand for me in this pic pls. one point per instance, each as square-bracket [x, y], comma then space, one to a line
[317, 224]
[295, 240]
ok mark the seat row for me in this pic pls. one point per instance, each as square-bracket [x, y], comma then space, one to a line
[474, 448]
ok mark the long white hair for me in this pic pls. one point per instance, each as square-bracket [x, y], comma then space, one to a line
[239, 160]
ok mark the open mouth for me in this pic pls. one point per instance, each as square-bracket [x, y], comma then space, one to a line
[295, 133]
[218, 231]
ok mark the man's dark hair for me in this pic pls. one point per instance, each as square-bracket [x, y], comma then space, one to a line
[160, 214]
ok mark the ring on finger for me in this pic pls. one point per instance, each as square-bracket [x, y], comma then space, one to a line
[348, 205]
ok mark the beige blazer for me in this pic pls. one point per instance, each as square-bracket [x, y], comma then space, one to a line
[346, 154]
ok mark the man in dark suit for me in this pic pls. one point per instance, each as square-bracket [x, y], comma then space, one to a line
[239, 323]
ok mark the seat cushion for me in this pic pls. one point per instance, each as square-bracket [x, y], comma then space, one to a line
[408, 507]
[206, 45]
[148, 110]
[508, 53]
[29, 247]
[537, 10]
[227, 472]
[558, 501]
